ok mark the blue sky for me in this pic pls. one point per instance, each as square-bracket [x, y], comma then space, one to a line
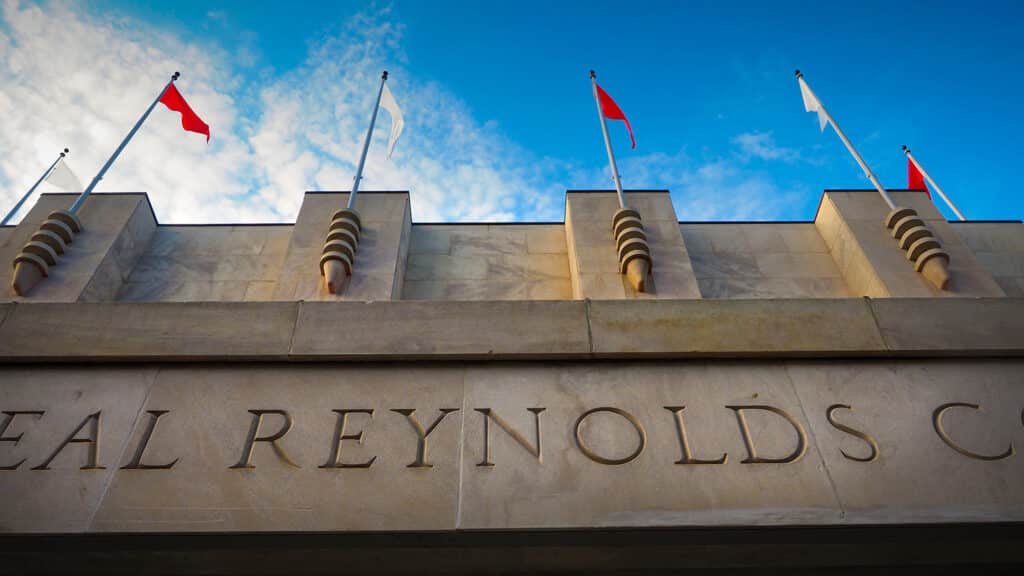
[499, 114]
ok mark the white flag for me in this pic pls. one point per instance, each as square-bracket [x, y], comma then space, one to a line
[62, 177]
[811, 103]
[387, 101]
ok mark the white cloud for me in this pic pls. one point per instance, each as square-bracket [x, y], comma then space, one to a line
[761, 145]
[84, 83]
[303, 133]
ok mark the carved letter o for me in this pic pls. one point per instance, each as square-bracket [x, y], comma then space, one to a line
[641, 435]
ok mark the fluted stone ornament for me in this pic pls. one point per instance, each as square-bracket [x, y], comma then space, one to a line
[339, 251]
[44, 250]
[633, 250]
[922, 247]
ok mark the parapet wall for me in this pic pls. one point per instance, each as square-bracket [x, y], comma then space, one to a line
[846, 252]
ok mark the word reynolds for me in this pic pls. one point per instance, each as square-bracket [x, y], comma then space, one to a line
[88, 432]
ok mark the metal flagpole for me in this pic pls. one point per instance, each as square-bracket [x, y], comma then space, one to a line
[607, 142]
[85, 194]
[33, 188]
[932, 182]
[849, 146]
[366, 143]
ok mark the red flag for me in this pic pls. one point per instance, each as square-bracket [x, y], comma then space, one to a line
[915, 180]
[612, 111]
[189, 121]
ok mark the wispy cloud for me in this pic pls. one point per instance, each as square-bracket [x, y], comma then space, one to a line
[302, 130]
[277, 135]
[761, 145]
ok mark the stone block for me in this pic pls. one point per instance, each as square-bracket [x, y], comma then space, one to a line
[64, 497]
[566, 488]
[723, 327]
[545, 239]
[427, 239]
[547, 267]
[696, 237]
[130, 331]
[763, 238]
[445, 267]
[380, 257]
[802, 237]
[915, 477]
[206, 425]
[259, 291]
[116, 228]
[442, 330]
[799, 265]
[951, 326]
[488, 241]
[724, 265]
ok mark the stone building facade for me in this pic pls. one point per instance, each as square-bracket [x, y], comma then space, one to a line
[501, 398]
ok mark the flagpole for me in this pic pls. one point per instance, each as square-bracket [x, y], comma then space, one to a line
[33, 188]
[932, 182]
[849, 145]
[366, 143]
[607, 142]
[99, 176]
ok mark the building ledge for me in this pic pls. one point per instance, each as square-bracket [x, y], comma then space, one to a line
[398, 331]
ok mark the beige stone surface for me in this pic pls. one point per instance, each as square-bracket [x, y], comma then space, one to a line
[916, 476]
[872, 263]
[591, 247]
[150, 330]
[380, 258]
[487, 262]
[208, 263]
[771, 260]
[115, 228]
[63, 498]
[439, 329]
[950, 326]
[566, 489]
[999, 249]
[748, 327]
[207, 425]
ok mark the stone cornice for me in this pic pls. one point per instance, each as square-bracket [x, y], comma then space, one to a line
[510, 330]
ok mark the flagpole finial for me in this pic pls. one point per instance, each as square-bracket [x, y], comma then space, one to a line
[799, 74]
[593, 75]
[65, 152]
[905, 149]
[175, 76]
[384, 76]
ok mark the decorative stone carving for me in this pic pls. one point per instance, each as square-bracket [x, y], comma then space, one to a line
[631, 243]
[44, 250]
[339, 251]
[921, 245]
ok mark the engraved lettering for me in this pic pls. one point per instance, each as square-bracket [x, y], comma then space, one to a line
[339, 436]
[93, 422]
[9, 417]
[684, 442]
[534, 449]
[421, 434]
[941, 431]
[136, 463]
[641, 437]
[254, 429]
[752, 457]
[872, 455]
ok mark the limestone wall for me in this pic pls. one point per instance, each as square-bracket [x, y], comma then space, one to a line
[487, 262]
[771, 260]
[209, 263]
[122, 254]
[999, 248]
